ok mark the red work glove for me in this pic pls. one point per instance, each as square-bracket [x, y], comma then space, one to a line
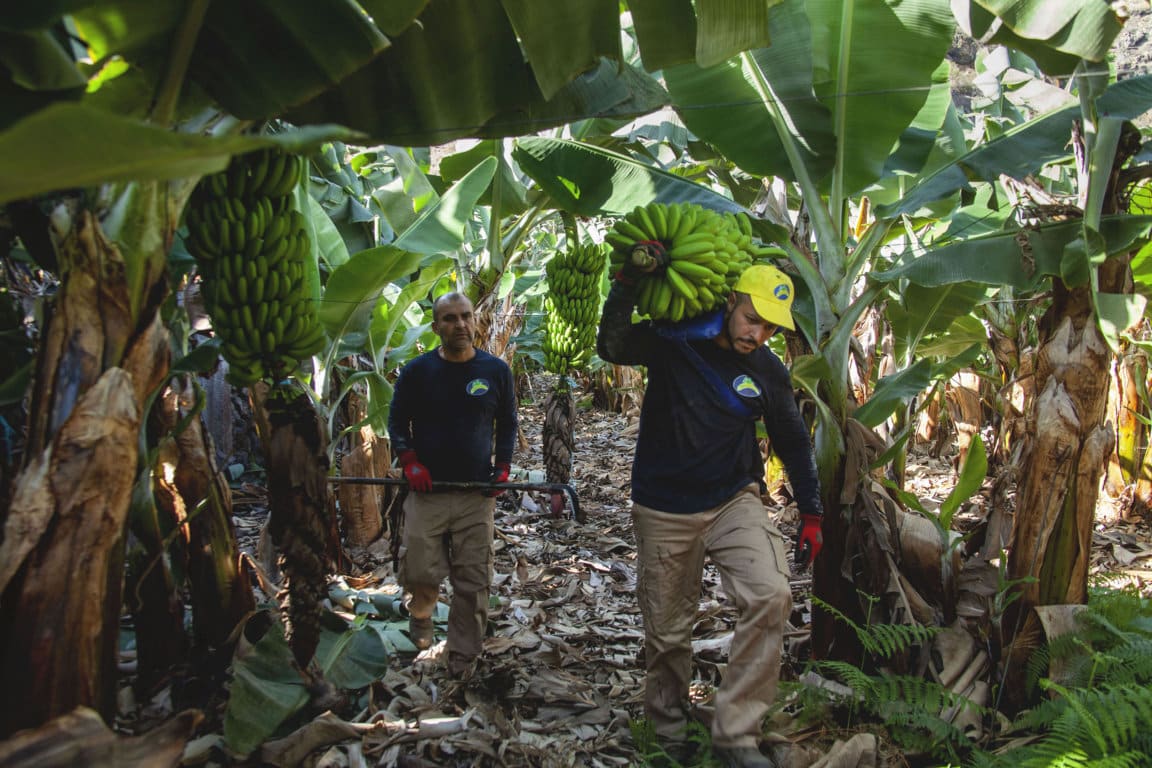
[415, 473]
[499, 475]
[809, 539]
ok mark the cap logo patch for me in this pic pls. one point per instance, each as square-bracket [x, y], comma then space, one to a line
[781, 292]
[745, 386]
[478, 387]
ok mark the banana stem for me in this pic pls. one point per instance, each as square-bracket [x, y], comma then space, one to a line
[647, 256]
[642, 259]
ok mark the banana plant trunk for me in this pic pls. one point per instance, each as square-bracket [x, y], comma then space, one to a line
[104, 351]
[1060, 473]
[1062, 465]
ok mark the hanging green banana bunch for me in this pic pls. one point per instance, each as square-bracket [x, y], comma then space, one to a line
[253, 252]
[706, 250]
[572, 307]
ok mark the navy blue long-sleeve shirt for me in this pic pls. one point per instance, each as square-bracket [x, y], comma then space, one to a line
[456, 416]
[697, 444]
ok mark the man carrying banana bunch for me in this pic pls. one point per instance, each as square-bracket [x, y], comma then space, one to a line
[697, 480]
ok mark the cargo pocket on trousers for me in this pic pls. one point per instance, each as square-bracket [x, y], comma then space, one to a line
[779, 549]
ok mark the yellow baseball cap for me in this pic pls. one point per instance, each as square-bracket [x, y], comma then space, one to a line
[771, 293]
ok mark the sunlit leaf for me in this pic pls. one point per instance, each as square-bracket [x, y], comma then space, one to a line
[71, 145]
[1023, 149]
[1021, 258]
[353, 288]
[972, 474]
[893, 391]
[589, 181]
[591, 28]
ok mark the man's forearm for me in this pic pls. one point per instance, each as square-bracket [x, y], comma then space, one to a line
[612, 340]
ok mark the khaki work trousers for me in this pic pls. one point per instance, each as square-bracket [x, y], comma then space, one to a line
[449, 535]
[748, 551]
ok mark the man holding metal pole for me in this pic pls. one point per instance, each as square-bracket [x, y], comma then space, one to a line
[453, 418]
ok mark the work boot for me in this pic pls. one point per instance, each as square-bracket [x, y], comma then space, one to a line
[742, 757]
[420, 632]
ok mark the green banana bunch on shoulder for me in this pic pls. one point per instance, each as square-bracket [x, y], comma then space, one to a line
[706, 251]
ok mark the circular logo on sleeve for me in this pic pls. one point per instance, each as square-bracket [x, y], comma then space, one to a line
[478, 387]
[745, 386]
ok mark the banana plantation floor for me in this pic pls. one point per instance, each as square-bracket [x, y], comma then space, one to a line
[563, 673]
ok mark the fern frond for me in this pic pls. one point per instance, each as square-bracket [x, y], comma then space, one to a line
[909, 707]
[883, 640]
[886, 640]
[1130, 662]
[1078, 725]
[1107, 726]
[1124, 608]
[853, 677]
[1039, 718]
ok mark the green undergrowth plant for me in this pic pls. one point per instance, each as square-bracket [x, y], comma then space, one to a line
[917, 713]
[883, 641]
[652, 753]
[1112, 643]
[1096, 684]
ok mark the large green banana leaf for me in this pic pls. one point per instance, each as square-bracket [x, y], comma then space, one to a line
[492, 68]
[849, 78]
[1002, 258]
[393, 16]
[254, 58]
[512, 193]
[920, 312]
[460, 71]
[267, 688]
[72, 145]
[894, 391]
[590, 29]
[727, 27]
[38, 60]
[934, 139]
[386, 318]
[1022, 150]
[590, 181]
[1055, 34]
[665, 31]
[354, 287]
[426, 107]
[721, 106]
[610, 91]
